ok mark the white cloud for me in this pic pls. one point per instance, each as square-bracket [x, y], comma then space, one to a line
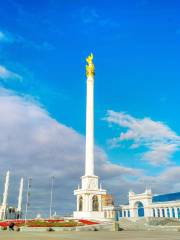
[160, 153]
[6, 74]
[159, 140]
[34, 144]
[6, 37]
[167, 181]
[2, 36]
[91, 16]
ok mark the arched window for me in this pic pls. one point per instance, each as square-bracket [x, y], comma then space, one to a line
[163, 212]
[95, 203]
[140, 209]
[154, 214]
[80, 203]
[173, 213]
[168, 213]
[178, 211]
[158, 212]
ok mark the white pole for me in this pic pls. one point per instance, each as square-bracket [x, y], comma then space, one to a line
[27, 198]
[5, 196]
[89, 163]
[51, 197]
[20, 195]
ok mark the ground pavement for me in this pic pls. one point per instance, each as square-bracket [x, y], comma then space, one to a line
[123, 235]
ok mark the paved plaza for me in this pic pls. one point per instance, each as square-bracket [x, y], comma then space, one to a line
[124, 235]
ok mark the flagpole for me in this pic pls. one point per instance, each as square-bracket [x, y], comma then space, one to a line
[28, 197]
[51, 197]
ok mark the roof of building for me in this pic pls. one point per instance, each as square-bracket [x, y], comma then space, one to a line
[166, 197]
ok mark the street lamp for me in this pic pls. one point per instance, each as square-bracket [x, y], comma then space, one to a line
[28, 197]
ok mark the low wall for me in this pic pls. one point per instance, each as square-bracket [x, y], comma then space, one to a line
[96, 227]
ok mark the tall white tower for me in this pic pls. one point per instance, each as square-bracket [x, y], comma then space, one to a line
[5, 196]
[19, 208]
[89, 196]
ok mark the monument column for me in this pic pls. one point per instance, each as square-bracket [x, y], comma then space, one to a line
[89, 160]
[89, 191]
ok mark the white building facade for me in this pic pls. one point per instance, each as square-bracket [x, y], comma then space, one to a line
[147, 205]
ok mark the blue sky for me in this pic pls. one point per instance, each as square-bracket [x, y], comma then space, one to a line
[136, 46]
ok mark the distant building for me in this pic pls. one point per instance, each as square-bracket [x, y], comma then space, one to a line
[147, 205]
[107, 200]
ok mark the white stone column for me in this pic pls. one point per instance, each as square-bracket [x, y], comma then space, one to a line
[5, 196]
[170, 211]
[165, 212]
[176, 212]
[100, 202]
[127, 213]
[89, 164]
[133, 212]
[20, 195]
[122, 213]
[6, 187]
[90, 203]
[77, 202]
[150, 212]
[156, 213]
[84, 204]
[161, 215]
[87, 202]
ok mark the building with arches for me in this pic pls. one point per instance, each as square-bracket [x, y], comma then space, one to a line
[147, 205]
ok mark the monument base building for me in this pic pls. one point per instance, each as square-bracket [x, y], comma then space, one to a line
[89, 199]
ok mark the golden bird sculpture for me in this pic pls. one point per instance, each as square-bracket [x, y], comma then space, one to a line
[89, 59]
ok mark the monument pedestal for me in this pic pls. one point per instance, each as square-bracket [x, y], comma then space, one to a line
[89, 215]
[89, 199]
